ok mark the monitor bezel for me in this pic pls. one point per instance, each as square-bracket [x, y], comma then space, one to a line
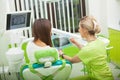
[60, 37]
[27, 23]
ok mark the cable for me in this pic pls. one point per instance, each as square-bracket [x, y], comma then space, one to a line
[3, 71]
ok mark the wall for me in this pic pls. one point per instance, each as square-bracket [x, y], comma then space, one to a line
[3, 9]
[98, 9]
[108, 14]
[4, 36]
[115, 51]
[113, 14]
[2, 12]
[113, 7]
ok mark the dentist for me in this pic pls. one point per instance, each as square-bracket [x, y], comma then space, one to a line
[93, 55]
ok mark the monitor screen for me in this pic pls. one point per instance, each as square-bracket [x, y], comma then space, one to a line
[64, 41]
[18, 20]
[60, 42]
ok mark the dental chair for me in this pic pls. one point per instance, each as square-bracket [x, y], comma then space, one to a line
[47, 66]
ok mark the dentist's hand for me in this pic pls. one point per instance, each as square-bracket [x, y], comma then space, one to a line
[73, 40]
[61, 53]
[76, 43]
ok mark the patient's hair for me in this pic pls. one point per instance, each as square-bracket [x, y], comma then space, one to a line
[42, 30]
[90, 23]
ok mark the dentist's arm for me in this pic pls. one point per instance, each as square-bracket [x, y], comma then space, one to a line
[74, 59]
[76, 43]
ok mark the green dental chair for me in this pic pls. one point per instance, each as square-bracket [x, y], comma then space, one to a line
[47, 67]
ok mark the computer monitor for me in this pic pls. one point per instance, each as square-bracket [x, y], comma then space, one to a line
[16, 20]
[60, 42]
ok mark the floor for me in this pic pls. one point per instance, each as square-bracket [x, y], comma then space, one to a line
[115, 71]
[77, 70]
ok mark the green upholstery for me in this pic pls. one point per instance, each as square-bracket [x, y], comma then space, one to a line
[43, 56]
[24, 45]
[37, 71]
[33, 68]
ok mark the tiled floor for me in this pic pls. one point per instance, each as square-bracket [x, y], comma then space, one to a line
[115, 71]
[77, 67]
[76, 71]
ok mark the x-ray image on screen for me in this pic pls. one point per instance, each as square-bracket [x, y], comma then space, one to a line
[18, 20]
[64, 41]
[56, 42]
[61, 41]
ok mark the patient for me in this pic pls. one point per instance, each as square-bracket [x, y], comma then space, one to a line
[39, 52]
[41, 30]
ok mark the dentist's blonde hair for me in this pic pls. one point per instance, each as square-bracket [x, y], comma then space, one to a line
[91, 24]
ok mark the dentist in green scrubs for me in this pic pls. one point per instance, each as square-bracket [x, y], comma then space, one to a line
[93, 55]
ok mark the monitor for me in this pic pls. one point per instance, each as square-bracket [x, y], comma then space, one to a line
[60, 42]
[16, 20]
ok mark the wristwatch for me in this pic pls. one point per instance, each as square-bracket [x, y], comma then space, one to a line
[62, 56]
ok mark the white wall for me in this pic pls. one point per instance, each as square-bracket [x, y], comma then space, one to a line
[113, 7]
[4, 36]
[3, 41]
[4, 8]
[98, 9]
[107, 13]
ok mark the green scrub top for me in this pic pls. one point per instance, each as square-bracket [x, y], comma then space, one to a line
[94, 56]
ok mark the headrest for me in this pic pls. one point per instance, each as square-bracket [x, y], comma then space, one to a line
[46, 55]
